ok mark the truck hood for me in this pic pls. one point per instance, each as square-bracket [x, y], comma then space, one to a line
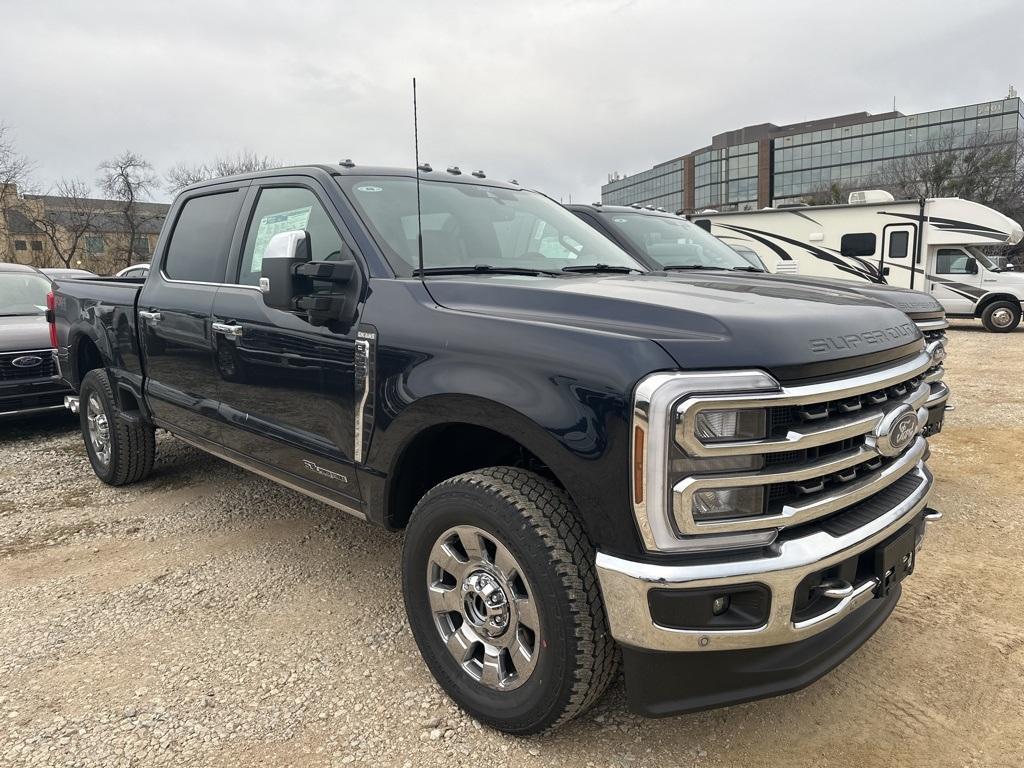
[913, 303]
[24, 332]
[703, 322]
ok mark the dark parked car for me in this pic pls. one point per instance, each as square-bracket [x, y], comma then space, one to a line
[665, 241]
[29, 380]
[719, 480]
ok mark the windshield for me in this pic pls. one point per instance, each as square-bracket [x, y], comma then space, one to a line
[471, 225]
[22, 293]
[676, 242]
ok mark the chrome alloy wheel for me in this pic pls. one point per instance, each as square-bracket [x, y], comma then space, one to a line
[99, 429]
[1001, 318]
[483, 607]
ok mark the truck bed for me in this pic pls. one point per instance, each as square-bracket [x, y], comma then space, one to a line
[97, 314]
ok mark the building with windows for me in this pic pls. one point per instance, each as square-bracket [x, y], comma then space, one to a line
[768, 164]
[44, 230]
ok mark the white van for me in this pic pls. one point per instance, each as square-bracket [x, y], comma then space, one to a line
[930, 245]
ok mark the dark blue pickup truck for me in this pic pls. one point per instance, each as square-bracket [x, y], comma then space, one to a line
[718, 482]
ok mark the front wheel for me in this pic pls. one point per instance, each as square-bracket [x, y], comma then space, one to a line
[503, 601]
[1001, 316]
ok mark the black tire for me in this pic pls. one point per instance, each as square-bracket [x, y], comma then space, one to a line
[537, 523]
[995, 325]
[131, 445]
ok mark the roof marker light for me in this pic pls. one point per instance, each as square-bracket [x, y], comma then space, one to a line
[425, 167]
[480, 174]
[454, 170]
[346, 163]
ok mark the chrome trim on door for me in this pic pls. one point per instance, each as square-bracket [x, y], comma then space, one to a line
[362, 375]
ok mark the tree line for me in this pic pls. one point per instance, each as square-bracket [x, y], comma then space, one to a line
[127, 182]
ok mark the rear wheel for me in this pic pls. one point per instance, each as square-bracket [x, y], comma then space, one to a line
[1001, 316]
[120, 451]
[502, 598]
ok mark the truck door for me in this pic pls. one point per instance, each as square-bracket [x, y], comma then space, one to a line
[898, 248]
[174, 310]
[285, 386]
[953, 283]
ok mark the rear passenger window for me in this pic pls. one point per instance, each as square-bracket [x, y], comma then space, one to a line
[199, 245]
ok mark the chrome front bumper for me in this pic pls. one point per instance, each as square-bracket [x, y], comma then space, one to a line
[625, 584]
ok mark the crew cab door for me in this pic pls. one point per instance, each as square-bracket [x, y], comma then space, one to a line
[174, 309]
[952, 281]
[286, 387]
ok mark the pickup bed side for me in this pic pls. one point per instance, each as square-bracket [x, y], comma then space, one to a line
[96, 328]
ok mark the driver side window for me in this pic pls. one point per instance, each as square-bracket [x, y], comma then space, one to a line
[282, 209]
[951, 261]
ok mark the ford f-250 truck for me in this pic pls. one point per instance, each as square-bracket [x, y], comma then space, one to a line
[665, 241]
[721, 482]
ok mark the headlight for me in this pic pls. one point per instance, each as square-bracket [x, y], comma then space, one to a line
[730, 426]
[720, 503]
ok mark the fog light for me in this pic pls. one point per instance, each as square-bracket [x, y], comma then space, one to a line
[718, 503]
[720, 605]
[937, 351]
[728, 426]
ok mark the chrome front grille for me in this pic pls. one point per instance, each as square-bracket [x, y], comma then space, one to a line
[820, 448]
[825, 436]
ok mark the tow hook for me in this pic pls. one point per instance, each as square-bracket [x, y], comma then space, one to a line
[932, 515]
[71, 403]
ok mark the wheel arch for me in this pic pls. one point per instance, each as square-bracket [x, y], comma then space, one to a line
[991, 298]
[443, 436]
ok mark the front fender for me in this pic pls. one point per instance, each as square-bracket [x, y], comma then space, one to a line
[563, 393]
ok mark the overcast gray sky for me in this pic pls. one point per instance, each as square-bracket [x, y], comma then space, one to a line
[554, 94]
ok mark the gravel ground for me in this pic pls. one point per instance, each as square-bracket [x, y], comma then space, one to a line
[207, 617]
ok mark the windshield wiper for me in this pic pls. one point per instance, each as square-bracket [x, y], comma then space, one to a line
[746, 269]
[670, 267]
[601, 268]
[485, 269]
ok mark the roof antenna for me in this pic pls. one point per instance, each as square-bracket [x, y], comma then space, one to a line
[416, 151]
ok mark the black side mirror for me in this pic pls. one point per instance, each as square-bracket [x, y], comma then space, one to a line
[285, 252]
[291, 282]
[972, 266]
[885, 271]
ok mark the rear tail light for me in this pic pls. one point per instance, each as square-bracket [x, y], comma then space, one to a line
[51, 319]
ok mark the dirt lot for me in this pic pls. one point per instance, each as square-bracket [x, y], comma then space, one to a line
[209, 617]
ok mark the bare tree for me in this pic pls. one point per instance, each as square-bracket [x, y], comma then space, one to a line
[14, 167]
[129, 179]
[66, 226]
[243, 161]
[981, 167]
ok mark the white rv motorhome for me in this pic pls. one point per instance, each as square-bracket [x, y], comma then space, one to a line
[930, 245]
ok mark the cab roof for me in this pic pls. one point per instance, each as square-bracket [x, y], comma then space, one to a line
[452, 174]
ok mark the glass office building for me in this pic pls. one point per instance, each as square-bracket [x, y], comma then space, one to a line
[726, 177]
[660, 187]
[855, 155]
[798, 160]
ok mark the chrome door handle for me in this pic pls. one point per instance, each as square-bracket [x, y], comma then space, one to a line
[234, 331]
[153, 317]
